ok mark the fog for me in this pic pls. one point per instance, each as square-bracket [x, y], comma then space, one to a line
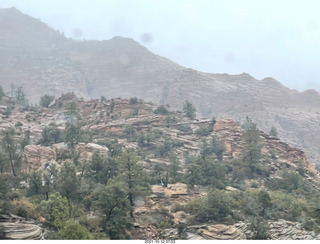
[273, 38]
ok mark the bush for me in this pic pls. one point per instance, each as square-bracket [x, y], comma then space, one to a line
[161, 110]
[46, 100]
[72, 230]
[216, 206]
[189, 110]
[133, 101]
[186, 129]
[2, 94]
[204, 131]
[260, 229]
[25, 208]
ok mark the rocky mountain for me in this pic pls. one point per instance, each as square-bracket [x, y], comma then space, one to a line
[42, 60]
[166, 212]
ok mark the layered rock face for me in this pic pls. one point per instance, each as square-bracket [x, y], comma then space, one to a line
[17, 228]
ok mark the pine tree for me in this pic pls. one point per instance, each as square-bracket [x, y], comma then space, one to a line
[10, 148]
[113, 201]
[132, 173]
[189, 110]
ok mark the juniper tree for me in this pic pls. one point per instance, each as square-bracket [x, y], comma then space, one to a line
[9, 146]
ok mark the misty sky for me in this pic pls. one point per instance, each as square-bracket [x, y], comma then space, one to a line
[271, 38]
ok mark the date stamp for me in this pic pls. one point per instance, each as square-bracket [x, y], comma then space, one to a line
[159, 241]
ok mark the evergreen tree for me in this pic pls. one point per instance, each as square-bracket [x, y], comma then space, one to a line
[46, 100]
[55, 210]
[102, 168]
[67, 183]
[251, 152]
[3, 161]
[2, 93]
[112, 200]
[189, 110]
[9, 146]
[20, 97]
[72, 135]
[72, 113]
[132, 173]
[51, 134]
[273, 131]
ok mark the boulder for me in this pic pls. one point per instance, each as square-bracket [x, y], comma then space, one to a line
[34, 157]
[87, 150]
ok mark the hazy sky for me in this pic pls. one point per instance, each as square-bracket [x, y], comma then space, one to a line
[277, 38]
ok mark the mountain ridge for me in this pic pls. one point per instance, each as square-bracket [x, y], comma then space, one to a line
[48, 63]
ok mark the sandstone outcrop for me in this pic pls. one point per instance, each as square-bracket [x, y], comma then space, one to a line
[35, 157]
[17, 228]
[87, 150]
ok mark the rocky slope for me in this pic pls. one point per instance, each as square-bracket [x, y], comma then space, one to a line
[112, 118]
[42, 60]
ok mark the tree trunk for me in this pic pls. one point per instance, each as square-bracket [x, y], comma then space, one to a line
[12, 167]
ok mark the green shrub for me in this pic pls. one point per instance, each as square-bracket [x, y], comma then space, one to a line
[204, 131]
[133, 101]
[46, 100]
[161, 110]
[216, 206]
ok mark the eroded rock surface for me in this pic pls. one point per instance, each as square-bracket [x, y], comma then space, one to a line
[17, 228]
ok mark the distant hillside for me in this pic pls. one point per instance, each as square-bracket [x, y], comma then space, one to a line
[42, 60]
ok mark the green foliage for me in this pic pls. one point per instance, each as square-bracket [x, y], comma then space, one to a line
[205, 171]
[260, 229]
[112, 201]
[51, 135]
[185, 128]
[129, 130]
[112, 104]
[251, 152]
[72, 113]
[103, 99]
[26, 140]
[162, 218]
[67, 183]
[46, 100]
[20, 97]
[2, 93]
[248, 124]
[133, 101]
[115, 148]
[288, 181]
[216, 206]
[273, 131]
[72, 134]
[9, 146]
[102, 168]
[204, 131]
[24, 208]
[165, 148]
[161, 110]
[55, 210]
[265, 201]
[133, 175]
[189, 110]
[286, 206]
[3, 161]
[35, 184]
[214, 147]
[72, 230]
